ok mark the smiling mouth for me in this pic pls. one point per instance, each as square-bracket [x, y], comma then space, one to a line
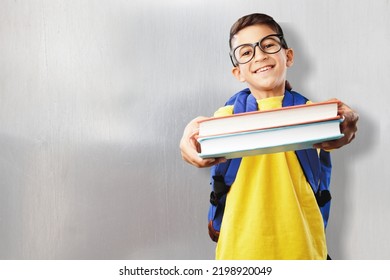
[263, 69]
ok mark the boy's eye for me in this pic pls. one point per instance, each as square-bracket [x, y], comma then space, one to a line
[269, 45]
[246, 51]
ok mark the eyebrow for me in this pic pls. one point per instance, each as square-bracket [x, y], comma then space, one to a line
[275, 34]
[234, 37]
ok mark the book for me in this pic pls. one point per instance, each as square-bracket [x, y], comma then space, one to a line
[272, 140]
[267, 119]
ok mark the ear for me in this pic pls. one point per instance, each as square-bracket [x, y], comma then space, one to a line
[237, 73]
[290, 57]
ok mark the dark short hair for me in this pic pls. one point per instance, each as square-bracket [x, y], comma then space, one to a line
[255, 19]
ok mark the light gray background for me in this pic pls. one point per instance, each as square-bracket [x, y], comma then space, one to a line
[94, 96]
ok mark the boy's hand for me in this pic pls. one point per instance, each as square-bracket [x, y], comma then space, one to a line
[190, 147]
[348, 128]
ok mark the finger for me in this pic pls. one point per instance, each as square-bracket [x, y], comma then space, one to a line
[202, 163]
[329, 145]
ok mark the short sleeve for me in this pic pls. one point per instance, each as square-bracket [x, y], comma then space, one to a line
[224, 111]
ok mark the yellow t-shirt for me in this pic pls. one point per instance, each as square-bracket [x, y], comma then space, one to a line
[271, 211]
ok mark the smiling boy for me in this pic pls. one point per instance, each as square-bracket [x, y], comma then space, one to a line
[271, 210]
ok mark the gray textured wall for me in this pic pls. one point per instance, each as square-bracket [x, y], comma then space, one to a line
[94, 96]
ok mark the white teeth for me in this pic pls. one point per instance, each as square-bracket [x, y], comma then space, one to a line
[263, 69]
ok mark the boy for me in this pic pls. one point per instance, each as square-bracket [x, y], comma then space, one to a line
[271, 211]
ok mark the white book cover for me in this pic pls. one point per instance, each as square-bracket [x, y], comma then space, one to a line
[267, 119]
[273, 140]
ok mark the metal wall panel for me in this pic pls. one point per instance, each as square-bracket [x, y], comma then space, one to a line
[94, 96]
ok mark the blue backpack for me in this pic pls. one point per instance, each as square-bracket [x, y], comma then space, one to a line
[316, 167]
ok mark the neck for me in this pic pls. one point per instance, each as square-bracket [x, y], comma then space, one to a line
[261, 94]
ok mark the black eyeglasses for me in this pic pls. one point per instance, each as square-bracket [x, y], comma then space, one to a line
[269, 44]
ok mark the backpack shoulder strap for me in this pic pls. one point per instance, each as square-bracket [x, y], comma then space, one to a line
[224, 174]
[242, 101]
[316, 167]
[292, 98]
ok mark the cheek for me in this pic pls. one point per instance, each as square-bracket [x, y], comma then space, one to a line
[241, 77]
[284, 62]
[244, 72]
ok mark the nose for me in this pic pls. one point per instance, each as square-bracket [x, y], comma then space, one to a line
[259, 54]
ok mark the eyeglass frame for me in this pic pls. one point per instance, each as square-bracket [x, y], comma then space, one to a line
[283, 45]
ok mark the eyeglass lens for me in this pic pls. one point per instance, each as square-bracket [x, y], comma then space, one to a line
[270, 44]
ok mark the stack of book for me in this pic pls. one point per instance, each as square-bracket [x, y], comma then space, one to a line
[272, 131]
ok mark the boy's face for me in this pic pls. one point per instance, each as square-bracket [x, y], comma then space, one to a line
[265, 74]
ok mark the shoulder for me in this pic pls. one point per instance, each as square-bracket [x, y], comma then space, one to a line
[292, 98]
[239, 96]
[239, 100]
[224, 111]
